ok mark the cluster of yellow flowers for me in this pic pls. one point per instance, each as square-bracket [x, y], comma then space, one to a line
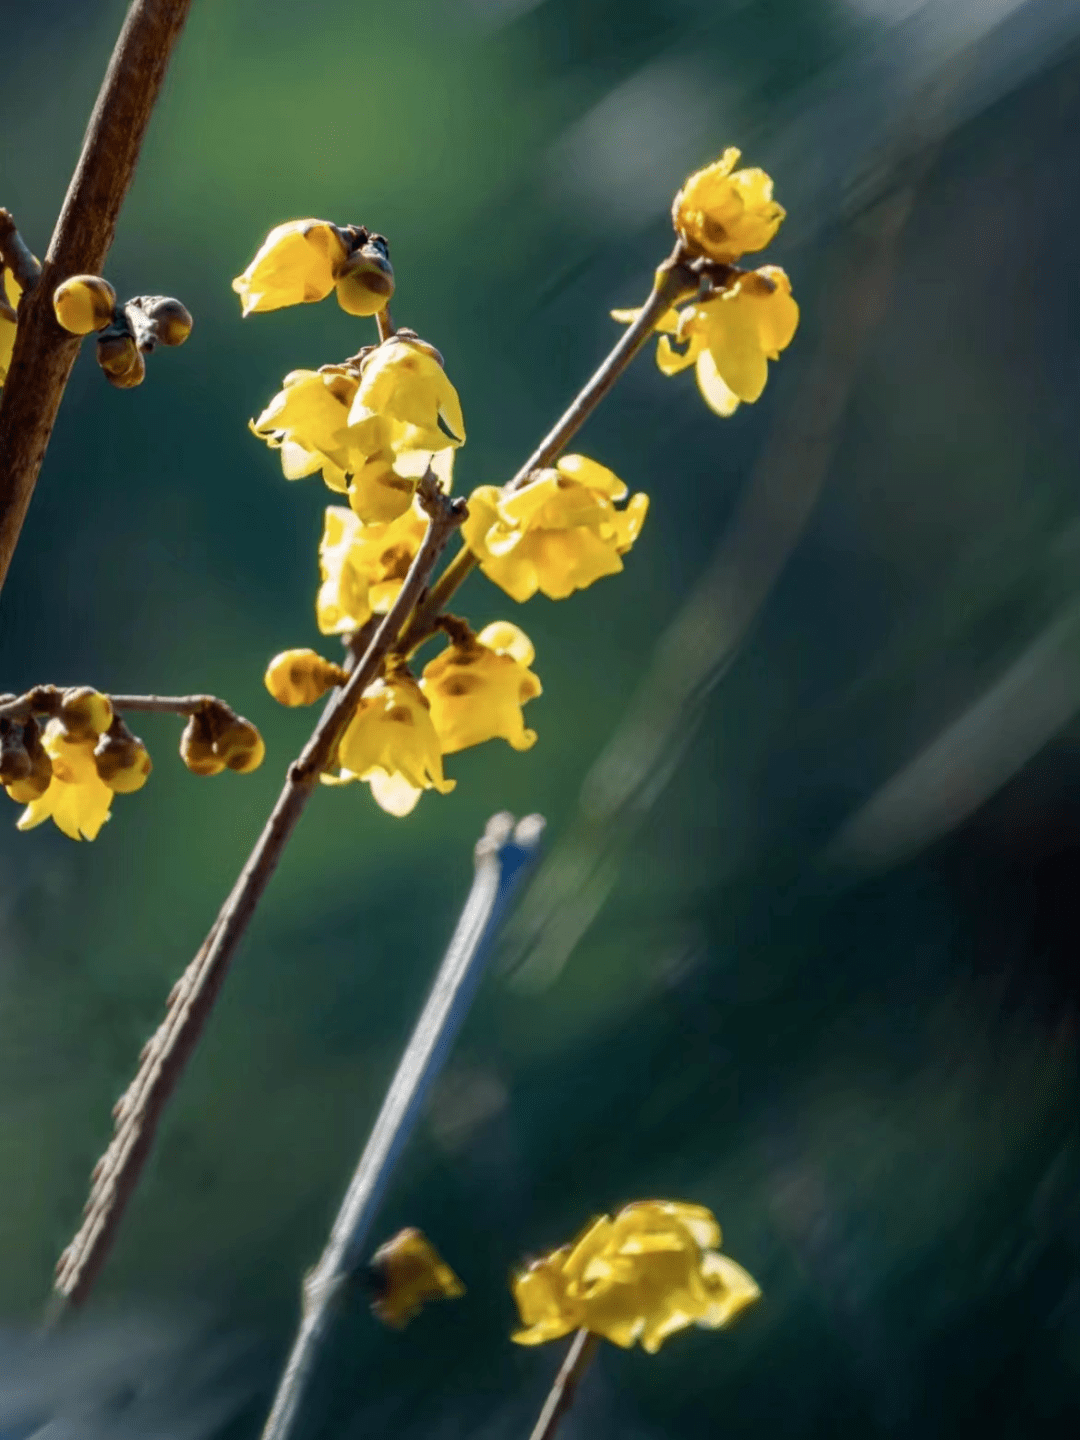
[652, 1270]
[373, 426]
[69, 769]
[741, 319]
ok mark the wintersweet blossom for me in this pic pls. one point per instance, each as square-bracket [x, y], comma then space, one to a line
[408, 1272]
[296, 264]
[477, 687]
[723, 213]
[730, 337]
[391, 743]
[12, 291]
[307, 420]
[363, 566]
[652, 1270]
[77, 800]
[403, 381]
[557, 534]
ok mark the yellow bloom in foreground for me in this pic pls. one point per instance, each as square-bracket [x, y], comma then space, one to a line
[77, 800]
[477, 687]
[298, 262]
[12, 291]
[650, 1271]
[408, 1272]
[558, 534]
[729, 338]
[363, 566]
[307, 420]
[723, 213]
[403, 381]
[391, 743]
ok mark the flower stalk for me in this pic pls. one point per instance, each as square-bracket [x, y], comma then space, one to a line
[560, 1397]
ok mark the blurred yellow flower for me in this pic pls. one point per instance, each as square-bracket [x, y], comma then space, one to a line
[730, 337]
[298, 262]
[12, 291]
[391, 743]
[408, 1272]
[558, 534]
[723, 213]
[77, 800]
[363, 566]
[300, 677]
[477, 687]
[652, 1270]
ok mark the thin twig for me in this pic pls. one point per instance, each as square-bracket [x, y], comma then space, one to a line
[561, 1395]
[500, 857]
[166, 1054]
[44, 354]
[20, 706]
[674, 278]
[16, 254]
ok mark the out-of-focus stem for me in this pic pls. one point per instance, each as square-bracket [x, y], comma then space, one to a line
[561, 1395]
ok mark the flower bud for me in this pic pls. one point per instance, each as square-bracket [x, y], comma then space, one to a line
[300, 677]
[365, 282]
[119, 357]
[14, 760]
[197, 745]
[122, 760]
[37, 781]
[84, 713]
[241, 746]
[171, 320]
[84, 303]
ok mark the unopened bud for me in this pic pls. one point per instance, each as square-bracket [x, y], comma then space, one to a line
[84, 303]
[84, 713]
[14, 760]
[197, 745]
[300, 677]
[122, 760]
[365, 283]
[172, 321]
[37, 781]
[216, 737]
[241, 746]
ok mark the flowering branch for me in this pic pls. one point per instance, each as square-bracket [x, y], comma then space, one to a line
[166, 1054]
[673, 279]
[40, 699]
[501, 856]
[44, 354]
[561, 1395]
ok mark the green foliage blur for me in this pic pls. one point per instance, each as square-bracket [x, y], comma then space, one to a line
[873, 1083]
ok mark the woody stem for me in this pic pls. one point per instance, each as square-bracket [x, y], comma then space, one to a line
[561, 1395]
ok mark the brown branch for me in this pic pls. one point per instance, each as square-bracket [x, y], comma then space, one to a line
[165, 1056]
[561, 1395]
[16, 255]
[674, 278]
[18, 707]
[44, 353]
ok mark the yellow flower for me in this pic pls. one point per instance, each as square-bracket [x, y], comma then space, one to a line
[391, 743]
[300, 677]
[77, 799]
[652, 1270]
[12, 290]
[557, 534]
[477, 687]
[730, 337]
[363, 566]
[298, 262]
[723, 213]
[404, 382]
[408, 1272]
[307, 420]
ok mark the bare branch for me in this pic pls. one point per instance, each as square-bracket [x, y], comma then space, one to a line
[166, 1054]
[561, 1395]
[501, 856]
[44, 353]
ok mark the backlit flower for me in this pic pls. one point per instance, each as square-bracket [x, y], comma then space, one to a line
[477, 687]
[391, 743]
[723, 213]
[408, 1272]
[730, 337]
[307, 420]
[557, 534]
[363, 566]
[403, 381]
[77, 800]
[12, 291]
[297, 263]
[652, 1270]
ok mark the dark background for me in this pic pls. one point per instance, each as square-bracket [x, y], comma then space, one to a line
[854, 1039]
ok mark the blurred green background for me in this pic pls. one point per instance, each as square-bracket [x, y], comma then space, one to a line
[866, 1067]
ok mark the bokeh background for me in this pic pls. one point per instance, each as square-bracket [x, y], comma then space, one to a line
[805, 946]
